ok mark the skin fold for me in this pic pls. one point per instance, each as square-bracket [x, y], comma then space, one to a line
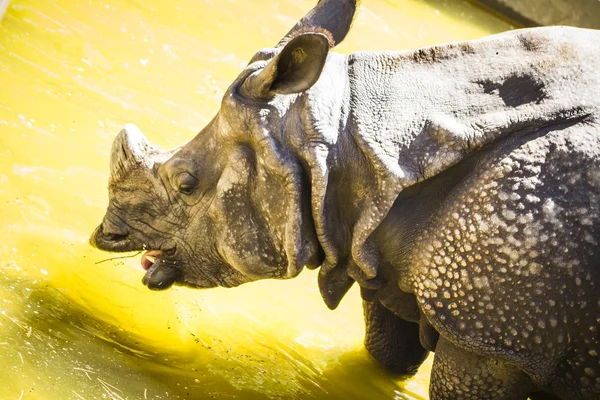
[458, 185]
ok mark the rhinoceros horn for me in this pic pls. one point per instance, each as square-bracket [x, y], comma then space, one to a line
[129, 148]
[328, 16]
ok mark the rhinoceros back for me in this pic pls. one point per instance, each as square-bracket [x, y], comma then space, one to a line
[520, 234]
[416, 113]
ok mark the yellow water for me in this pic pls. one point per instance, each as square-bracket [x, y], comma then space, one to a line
[73, 327]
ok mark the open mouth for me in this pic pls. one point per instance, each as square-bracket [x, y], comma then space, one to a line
[161, 273]
[149, 258]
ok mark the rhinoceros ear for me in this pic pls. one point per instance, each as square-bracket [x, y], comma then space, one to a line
[334, 16]
[129, 148]
[295, 69]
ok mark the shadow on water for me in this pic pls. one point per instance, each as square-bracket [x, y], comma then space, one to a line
[53, 347]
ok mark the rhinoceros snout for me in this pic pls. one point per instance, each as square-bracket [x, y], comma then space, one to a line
[109, 238]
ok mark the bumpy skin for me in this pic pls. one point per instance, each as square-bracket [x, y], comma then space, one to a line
[458, 185]
[391, 340]
[457, 374]
[508, 266]
[501, 253]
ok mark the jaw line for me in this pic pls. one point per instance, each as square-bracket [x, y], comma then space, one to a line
[206, 276]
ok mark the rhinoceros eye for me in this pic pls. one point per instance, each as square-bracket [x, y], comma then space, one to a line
[186, 183]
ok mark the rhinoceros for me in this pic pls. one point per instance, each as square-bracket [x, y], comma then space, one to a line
[458, 185]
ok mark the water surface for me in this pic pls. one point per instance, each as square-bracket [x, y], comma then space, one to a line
[76, 326]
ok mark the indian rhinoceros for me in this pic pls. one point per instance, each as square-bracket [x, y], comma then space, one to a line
[458, 185]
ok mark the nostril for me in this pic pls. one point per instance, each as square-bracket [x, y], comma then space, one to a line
[112, 235]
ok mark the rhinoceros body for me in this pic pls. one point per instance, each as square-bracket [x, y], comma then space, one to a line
[458, 185]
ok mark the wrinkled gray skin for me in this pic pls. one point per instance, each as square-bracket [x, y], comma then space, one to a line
[459, 185]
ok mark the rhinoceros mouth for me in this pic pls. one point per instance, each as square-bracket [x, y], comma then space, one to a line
[149, 258]
[161, 270]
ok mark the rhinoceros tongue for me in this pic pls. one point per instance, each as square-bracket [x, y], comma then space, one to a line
[149, 258]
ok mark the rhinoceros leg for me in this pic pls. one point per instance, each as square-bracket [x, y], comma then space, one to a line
[458, 374]
[391, 340]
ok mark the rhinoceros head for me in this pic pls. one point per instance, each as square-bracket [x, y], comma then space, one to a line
[227, 207]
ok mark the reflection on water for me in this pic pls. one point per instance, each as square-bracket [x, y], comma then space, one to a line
[74, 327]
